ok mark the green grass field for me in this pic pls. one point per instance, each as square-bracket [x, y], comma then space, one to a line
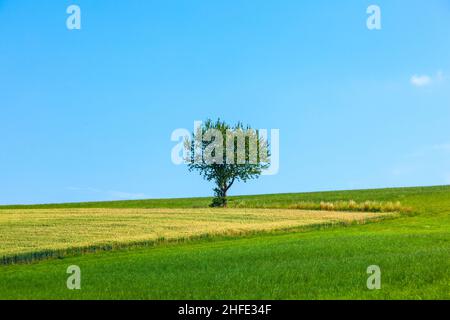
[325, 261]
[36, 234]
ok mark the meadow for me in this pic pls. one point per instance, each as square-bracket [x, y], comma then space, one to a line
[34, 234]
[279, 256]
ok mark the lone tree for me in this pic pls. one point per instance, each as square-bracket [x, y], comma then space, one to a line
[225, 154]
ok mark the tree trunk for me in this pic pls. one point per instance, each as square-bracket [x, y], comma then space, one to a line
[225, 204]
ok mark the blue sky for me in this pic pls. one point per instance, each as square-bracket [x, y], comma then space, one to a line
[87, 114]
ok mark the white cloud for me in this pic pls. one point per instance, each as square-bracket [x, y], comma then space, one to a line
[427, 150]
[426, 80]
[447, 178]
[126, 195]
[403, 169]
[445, 147]
[120, 195]
[425, 165]
[421, 81]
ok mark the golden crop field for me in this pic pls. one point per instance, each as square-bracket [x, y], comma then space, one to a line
[32, 234]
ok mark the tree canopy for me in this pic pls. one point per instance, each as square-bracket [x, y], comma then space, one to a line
[226, 154]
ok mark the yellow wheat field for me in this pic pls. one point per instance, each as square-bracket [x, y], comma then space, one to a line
[24, 232]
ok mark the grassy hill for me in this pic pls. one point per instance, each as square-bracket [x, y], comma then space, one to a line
[329, 262]
[408, 196]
